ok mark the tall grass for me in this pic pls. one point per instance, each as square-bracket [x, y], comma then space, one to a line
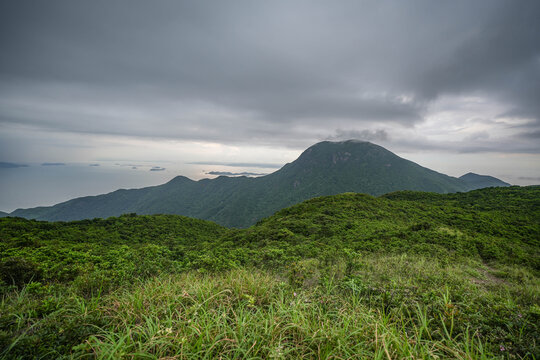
[387, 310]
[366, 307]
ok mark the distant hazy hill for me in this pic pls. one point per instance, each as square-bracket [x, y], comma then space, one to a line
[475, 181]
[325, 168]
[3, 214]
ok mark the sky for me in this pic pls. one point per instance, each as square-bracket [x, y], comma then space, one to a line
[100, 95]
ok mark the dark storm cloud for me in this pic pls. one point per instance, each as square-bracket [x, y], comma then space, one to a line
[264, 72]
[477, 143]
[530, 135]
[498, 47]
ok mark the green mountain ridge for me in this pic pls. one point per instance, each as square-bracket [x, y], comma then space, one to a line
[326, 168]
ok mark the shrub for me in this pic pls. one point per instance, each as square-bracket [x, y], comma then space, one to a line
[19, 271]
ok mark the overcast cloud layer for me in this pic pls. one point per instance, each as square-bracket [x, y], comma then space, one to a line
[454, 77]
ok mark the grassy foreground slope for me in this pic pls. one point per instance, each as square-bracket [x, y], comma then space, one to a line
[348, 276]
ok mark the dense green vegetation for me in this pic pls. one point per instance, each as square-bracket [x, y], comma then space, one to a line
[405, 275]
[326, 168]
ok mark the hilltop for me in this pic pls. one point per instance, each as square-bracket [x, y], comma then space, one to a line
[476, 181]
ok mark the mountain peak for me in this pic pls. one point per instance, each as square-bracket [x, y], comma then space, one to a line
[340, 152]
[180, 179]
[342, 143]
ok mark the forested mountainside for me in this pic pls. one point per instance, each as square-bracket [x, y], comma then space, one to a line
[326, 168]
